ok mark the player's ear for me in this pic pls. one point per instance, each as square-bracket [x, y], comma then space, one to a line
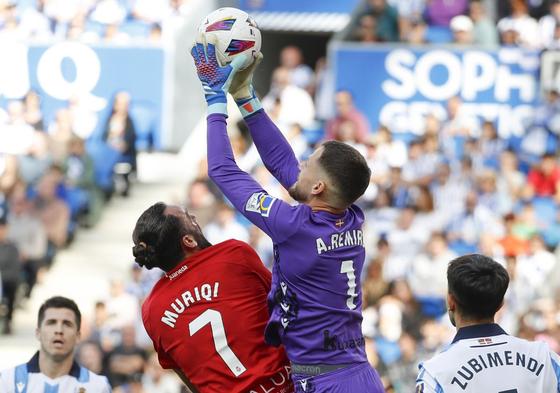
[189, 242]
[318, 188]
[451, 303]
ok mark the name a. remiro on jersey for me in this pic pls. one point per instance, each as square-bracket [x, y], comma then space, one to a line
[351, 238]
[205, 292]
[494, 359]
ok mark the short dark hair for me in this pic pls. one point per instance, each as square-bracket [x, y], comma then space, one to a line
[59, 302]
[478, 285]
[347, 169]
[157, 238]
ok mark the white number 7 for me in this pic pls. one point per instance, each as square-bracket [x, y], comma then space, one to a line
[214, 318]
[348, 268]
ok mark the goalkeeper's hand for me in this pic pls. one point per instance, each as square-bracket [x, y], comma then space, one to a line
[242, 90]
[215, 79]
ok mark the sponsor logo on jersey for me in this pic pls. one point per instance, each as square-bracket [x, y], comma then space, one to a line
[307, 385]
[261, 203]
[177, 273]
[332, 343]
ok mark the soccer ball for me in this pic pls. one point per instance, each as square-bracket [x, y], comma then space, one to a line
[235, 32]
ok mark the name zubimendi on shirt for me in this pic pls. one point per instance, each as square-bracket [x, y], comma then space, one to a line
[481, 362]
[351, 238]
[206, 292]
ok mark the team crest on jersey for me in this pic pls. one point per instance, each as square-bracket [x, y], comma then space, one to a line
[82, 390]
[261, 203]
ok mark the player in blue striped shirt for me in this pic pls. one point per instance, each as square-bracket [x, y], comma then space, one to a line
[52, 369]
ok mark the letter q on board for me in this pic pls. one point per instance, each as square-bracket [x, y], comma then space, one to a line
[88, 70]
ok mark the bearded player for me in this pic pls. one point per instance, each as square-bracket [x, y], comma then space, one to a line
[315, 300]
[206, 316]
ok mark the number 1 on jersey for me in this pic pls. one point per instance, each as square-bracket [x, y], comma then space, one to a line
[348, 268]
[214, 318]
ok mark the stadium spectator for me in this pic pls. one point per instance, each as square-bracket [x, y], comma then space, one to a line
[366, 30]
[462, 29]
[60, 134]
[225, 226]
[52, 210]
[157, 380]
[386, 20]
[430, 267]
[347, 112]
[409, 16]
[127, 361]
[122, 308]
[90, 355]
[120, 134]
[519, 27]
[301, 75]
[440, 12]
[484, 30]
[548, 27]
[295, 104]
[10, 273]
[33, 114]
[544, 179]
[27, 231]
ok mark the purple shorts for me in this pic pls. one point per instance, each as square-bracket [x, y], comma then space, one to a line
[360, 378]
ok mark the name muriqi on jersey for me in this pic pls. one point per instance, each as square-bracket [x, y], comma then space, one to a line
[494, 359]
[203, 292]
[354, 237]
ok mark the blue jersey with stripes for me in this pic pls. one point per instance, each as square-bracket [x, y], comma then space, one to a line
[484, 358]
[27, 378]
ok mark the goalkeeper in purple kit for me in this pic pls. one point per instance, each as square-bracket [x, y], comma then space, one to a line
[315, 299]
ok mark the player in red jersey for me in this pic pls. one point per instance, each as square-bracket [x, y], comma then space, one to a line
[207, 315]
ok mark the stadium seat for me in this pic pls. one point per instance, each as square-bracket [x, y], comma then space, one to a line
[438, 35]
[545, 210]
[144, 120]
[135, 28]
[104, 160]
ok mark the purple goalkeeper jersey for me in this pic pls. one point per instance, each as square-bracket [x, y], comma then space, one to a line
[315, 299]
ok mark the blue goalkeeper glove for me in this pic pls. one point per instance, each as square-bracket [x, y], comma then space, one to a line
[215, 79]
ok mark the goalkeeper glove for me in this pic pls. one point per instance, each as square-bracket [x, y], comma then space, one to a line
[242, 90]
[215, 79]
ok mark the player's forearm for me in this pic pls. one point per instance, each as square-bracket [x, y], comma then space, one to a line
[274, 149]
[236, 185]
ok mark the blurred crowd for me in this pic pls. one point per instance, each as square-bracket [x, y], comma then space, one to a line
[52, 183]
[528, 24]
[458, 187]
[114, 21]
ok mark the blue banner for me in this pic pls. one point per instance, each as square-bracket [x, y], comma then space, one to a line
[89, 76]
[398, 86]
[339, 6]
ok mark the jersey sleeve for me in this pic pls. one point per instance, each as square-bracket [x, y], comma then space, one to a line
[555, 359]
[6, 381]
[426, 383]
[275, 217]
[275, 151]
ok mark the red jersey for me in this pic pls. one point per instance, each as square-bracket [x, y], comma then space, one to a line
[207, 318]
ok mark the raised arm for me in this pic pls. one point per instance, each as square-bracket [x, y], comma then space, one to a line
[274, 149]
[274, 217]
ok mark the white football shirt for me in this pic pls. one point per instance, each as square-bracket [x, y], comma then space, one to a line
[27, 378]
[484, 358]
